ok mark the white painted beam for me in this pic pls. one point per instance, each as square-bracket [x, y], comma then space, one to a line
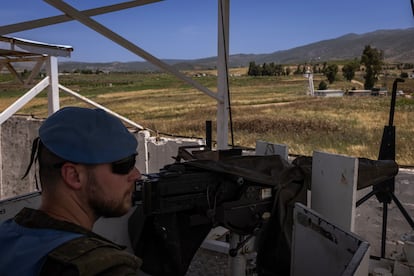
[99, 28]
[53, 93]
[13, 108]
[32, 24]
[32, 48]
[86, 100]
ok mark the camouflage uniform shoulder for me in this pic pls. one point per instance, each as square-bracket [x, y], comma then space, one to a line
[90, 256]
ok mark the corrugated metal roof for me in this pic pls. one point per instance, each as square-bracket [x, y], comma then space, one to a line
[12, 47]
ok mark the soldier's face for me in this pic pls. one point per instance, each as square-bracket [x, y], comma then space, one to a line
[110, 194]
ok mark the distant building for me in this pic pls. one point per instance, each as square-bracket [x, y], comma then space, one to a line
[329, 93]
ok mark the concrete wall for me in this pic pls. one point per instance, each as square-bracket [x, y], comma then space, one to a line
[18, 133]
[156, 152]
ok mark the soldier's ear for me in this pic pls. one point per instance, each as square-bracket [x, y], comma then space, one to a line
[71, 175]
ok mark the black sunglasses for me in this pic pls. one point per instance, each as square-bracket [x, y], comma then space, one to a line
[124, 166]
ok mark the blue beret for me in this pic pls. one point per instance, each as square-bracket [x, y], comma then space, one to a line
[87, 136]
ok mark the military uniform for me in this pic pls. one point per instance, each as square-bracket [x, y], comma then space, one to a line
[36, 244]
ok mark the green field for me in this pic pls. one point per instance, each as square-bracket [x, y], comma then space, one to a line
[274, 109]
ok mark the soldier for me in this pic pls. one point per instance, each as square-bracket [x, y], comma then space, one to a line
[87, 170]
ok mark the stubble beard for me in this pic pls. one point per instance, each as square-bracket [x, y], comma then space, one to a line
[102, 206]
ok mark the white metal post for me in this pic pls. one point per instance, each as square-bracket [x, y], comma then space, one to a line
[237, 264]
[53, 89]
[311, 87]
[222, 85]
[1, 164]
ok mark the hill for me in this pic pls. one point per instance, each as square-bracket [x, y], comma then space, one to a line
[397, 46]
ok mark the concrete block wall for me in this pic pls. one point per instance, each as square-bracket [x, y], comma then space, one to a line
[156, 152]
[18, 133]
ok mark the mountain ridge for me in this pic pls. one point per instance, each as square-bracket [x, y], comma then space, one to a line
[396, 45]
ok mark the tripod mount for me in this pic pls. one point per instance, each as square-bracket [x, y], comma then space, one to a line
[384, 191]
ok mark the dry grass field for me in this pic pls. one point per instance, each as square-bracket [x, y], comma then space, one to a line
[274, 109]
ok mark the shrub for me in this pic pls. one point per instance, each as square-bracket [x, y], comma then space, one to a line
[323, 85]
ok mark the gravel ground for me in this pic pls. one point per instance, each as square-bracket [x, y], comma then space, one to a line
[368, 223]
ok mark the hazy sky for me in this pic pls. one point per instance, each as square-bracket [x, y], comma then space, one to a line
[187, 29]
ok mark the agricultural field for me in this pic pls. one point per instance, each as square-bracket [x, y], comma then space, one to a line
[273, 109]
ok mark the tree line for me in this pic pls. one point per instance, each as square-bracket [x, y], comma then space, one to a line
[372, 59]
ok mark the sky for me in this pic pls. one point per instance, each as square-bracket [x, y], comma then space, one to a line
[187, 29]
